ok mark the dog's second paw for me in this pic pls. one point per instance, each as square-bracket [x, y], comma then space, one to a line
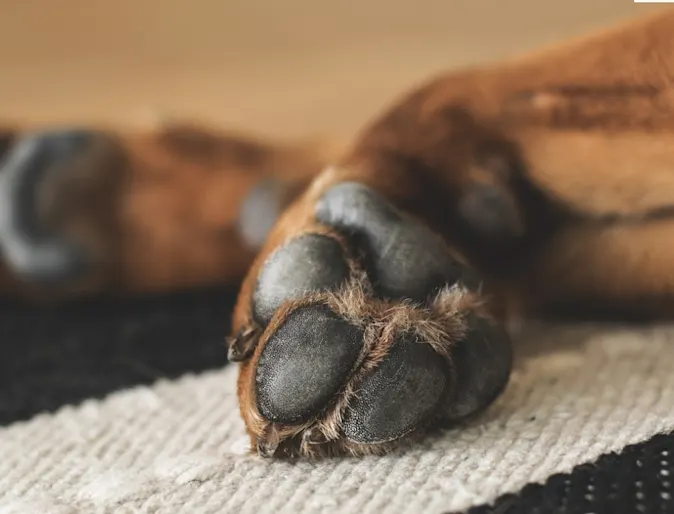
[362, 334]
[54, 192]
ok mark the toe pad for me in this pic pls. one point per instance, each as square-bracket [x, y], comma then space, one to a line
[304, 363]
[406, 259]
[401, 393]
[309, 263]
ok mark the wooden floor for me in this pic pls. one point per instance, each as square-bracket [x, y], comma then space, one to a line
[286, 68]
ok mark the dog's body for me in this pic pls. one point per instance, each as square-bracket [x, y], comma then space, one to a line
[550, 176]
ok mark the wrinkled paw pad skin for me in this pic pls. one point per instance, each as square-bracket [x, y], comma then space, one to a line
[364, 334]
[33, 251]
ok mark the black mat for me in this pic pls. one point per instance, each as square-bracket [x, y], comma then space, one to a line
[91, 348]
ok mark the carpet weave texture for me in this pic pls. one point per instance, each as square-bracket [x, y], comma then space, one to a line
[178, 444]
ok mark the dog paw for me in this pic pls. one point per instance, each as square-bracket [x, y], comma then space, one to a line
[53, 190]
[364, 333]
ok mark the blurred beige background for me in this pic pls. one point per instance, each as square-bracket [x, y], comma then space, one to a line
[279, 67]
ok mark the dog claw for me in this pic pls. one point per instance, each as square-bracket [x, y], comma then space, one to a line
[242, 345]
[268, 443]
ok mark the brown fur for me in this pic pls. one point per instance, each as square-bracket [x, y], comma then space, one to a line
[584, 125]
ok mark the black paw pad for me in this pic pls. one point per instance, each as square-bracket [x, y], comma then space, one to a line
[399, 395]
[406, 259]
[483, 362]
[32, 250]
[309, 263]
[305, 363]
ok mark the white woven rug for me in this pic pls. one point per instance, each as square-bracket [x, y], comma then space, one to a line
[179, 446]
